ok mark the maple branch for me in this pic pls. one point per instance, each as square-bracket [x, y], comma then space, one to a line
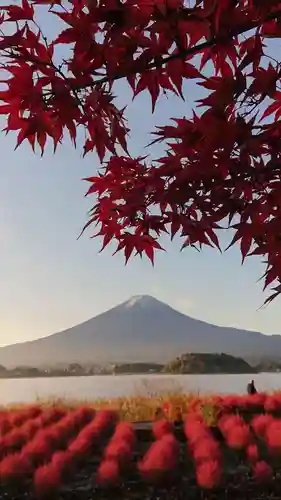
[197, 48]
[182, 54]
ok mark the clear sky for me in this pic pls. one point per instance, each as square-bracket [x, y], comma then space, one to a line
[51, 281]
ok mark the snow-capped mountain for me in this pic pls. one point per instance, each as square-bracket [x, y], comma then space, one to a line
[140, 329]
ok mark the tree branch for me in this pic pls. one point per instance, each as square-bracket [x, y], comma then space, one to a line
[200, 46]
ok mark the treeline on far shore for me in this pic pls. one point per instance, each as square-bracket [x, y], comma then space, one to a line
[188, 363]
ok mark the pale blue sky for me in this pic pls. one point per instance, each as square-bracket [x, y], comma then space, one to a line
[51, 281]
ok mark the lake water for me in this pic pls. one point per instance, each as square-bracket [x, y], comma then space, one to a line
[90, 388]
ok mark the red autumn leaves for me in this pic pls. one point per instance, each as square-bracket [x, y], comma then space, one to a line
[222, 163]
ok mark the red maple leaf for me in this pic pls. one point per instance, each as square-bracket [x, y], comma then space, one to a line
[25, 12]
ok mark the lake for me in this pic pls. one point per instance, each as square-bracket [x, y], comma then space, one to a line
[107, 386]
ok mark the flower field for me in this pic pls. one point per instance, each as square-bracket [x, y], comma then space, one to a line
[223, 447]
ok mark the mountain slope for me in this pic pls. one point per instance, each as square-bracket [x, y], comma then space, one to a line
[140, 329]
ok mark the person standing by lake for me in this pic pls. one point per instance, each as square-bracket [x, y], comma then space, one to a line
[251, 389]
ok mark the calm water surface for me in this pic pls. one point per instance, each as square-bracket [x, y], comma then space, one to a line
[28, 390]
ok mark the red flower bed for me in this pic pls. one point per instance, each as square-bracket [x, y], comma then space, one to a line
[24, 427]
[50, 476]
[43, 450]
[49, 432]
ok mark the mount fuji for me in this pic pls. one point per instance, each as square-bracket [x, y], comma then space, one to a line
[142, 329]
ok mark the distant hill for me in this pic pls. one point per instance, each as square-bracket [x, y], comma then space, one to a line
[141, 329]
[208, 363]
[269, 366]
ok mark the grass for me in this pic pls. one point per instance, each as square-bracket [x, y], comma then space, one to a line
[143, 405]
[135, 408]
[148, 397]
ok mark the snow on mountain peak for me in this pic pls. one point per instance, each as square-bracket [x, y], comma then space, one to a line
[140, 300]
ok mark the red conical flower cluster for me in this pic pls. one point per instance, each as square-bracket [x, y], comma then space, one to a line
[206, 452]
[237, 434]
[162, 457]
[117, 454]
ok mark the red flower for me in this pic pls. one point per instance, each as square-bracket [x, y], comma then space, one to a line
[238, 437]
[206, 449]
[260, 423]
[108, 472]
[161, 457]
[272, 404]
[118, 450]
[262, 471]
[166, 407]
[273, 435]
[161, 428]
[47, 480]
[208, 474]
[125, 431]
[252, 453]
[14, 468]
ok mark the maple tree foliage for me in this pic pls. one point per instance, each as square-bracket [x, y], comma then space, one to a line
[222, 163]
